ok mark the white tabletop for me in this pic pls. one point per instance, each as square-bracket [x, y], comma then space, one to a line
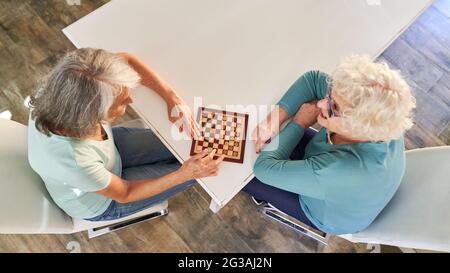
[241, 52]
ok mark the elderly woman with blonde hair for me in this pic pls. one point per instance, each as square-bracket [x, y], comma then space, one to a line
[339, 179]
[96, 172]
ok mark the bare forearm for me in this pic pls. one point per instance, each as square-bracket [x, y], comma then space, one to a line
[146, 188]
[149, 77]
[277, 117]
[282, 116]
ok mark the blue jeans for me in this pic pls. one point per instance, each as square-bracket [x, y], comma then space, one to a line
[287, 202]
[143, 157]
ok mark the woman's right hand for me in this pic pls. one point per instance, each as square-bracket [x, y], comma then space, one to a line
[268, 128]
[262, 134]
[201, 165]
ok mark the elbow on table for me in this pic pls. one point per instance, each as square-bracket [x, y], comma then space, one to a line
[260, 168]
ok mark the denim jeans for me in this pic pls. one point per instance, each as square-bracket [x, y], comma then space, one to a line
[287, 202]
[143, 157]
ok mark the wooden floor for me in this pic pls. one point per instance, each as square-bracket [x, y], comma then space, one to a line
[31, 42]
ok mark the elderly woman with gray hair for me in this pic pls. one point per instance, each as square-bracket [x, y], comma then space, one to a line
[93, 171]
[339, 179]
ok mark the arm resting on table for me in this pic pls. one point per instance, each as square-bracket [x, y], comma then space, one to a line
[273, 166]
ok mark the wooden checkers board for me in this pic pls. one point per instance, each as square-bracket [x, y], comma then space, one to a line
[221, 130]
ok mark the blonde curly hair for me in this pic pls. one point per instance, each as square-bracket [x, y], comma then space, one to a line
[379, 100]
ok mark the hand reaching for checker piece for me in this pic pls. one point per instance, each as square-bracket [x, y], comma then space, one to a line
[202, 165]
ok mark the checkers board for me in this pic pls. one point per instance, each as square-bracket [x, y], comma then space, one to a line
[221, 130]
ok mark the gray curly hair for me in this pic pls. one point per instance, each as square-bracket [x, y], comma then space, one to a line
[76, 95]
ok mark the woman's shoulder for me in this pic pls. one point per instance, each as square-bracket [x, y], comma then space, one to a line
[319, 80]
[358, 156]
[381, 151]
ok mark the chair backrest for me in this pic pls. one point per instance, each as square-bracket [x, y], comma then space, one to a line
[418, 216]
[25, 205]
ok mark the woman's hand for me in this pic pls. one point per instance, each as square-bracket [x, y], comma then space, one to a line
[180, 115]
[307, 115]
[201, 165]
[262, 134]
[268, 128]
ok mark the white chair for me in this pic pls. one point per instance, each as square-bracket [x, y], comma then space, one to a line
[25, 205]
[417, 217]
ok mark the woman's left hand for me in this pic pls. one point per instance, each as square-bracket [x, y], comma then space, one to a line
[180, 115]
[307, 115]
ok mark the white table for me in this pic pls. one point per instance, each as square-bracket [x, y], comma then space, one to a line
[245, 52]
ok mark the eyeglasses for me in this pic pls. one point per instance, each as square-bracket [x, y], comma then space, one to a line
[332, 106]
[332, 109]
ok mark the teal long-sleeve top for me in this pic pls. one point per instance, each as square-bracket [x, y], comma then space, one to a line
[341, 188]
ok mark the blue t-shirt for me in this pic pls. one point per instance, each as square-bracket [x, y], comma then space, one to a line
[73, 170]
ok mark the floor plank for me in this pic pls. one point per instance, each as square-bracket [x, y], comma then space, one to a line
[200, 228]
[443, 6]
[441, 91]
[426, 45]
[415, 67]
[31, 42]
[436, 23]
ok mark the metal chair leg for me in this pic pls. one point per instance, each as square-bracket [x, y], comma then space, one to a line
[258, 202]
[95, 232]
[289, 221]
